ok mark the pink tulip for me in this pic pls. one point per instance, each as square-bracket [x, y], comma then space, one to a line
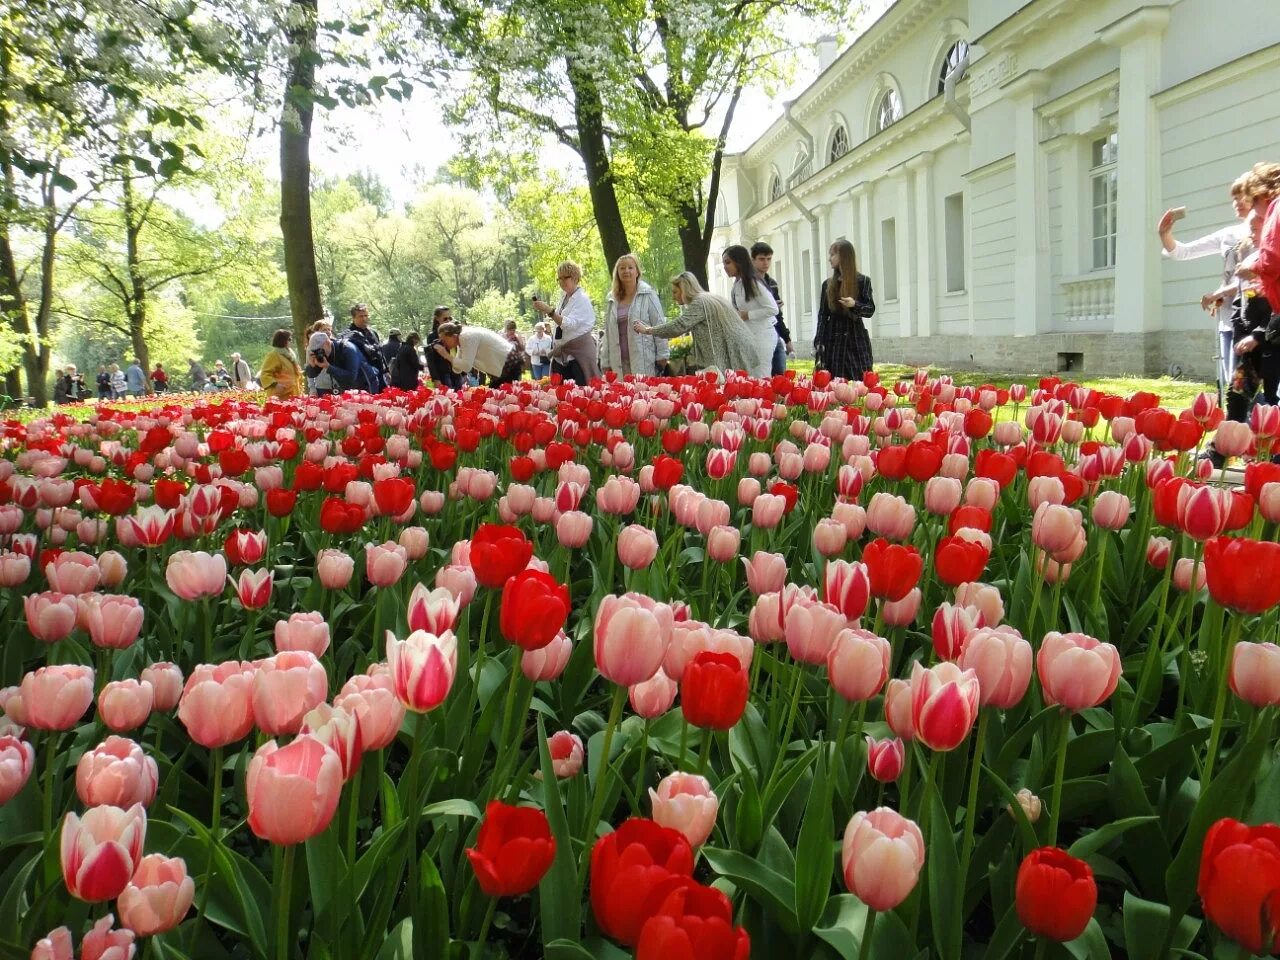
[1054, 528]
[852, 516]
[547, 663]
[1052, 570]
[56, 946]
[101, 850]
[247, 546]
[339, 729]
[573, 529]
[216, 705]
[982, 492]
[1255, 673]
[881, 854]
[53, 698]
[302, 631]
[691, 637]
[1045, 489]
[1268, 502]
[116, 772]
[711, 514]
[885, 759]
[113, 621]
[1203, 511]
[858, 664]
[51, 616]
[617, 496]
[334, 568]
[459, 580]
[685, 802]
[114, 568]
[372, 698]
[423, 666]
[986, 599]
[890, 516]
[384, 564]
[810, 628]
[942, 495]
[104, 943]
[1029, 803]
[951, 625]
[1183, 572]
[15, 568]
[1232, 439]
[253, 588]
[1077, 671]
[829, 537]
[653, 697]
[158, 896]
[765, 623]
[767, 511]
[151, 526]
[292, 790]
[1111, 510]
[944, 704]
[766, 572]
[434, 611]
[73, 572]
[566, 754]
[637, 546]
[544, 509]
[1001, 660]
[723, 543]
[902, 613]
[125, 704]
[166, 684]
[17, 757]
[285, 687]
[748, 490]
[1158, 549]
[192, 575]
[632, 633]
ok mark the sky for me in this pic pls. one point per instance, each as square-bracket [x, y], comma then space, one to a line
[394, 140]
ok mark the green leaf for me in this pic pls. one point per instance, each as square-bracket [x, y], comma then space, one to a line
[1266, 808]
[1008, 934]
[1147, 849]
[431, 931]
[1090, 945]
[559, 899]
[748, 821]
[1092, 842]
[368, 865]
[946, 889]
[841, 927]
[325, 873]
[777, 796]
[815, 852]
[1016, 745]
[590, 949]
[399, 943]
[457, 807]
[1145, 927]
[767, 887]
[1025, 830]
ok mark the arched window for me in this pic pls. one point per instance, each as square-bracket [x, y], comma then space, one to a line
[839, 144]
[775, 187]
[803, 167]
[950, 62]
[889, 111]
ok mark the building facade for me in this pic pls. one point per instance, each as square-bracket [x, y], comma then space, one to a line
[1007, 220]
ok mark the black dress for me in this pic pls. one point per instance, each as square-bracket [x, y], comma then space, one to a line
[407, 369]
[842, 344]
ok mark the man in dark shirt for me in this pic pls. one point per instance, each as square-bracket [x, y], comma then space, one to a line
[438, 368]
[367, 341]
[762, 257]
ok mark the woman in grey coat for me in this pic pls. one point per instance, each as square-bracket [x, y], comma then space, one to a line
[632, 302]
[721, 339]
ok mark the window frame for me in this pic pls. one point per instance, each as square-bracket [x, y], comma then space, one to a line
[1104, 153]
[948, 64]
[890, 94]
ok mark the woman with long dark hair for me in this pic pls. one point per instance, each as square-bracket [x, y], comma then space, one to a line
[755, 305]
[842, 345]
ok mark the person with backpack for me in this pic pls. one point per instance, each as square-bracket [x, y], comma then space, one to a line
[333, 365]
[366, 340]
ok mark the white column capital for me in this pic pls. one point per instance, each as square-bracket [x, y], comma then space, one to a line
[859, 189]
[921, 161]
[1030, 83]
[1143, 22]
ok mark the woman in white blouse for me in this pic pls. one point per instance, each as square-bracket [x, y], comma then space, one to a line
[540, 346]
[575, 320]
[755, 305]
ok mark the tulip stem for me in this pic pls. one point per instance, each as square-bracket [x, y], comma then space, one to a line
[1233, 635]
[353, 817]
[1035, 598]
[486, 924]
[602, 772]
[684, 741]
[971, 809]
[704, 755]
[644, 759]
[868, 927]
[1055, 812]
[215, 768]
[787, 727]
[284, 928]
[51, 754]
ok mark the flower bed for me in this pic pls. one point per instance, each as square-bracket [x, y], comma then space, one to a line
[674, 668]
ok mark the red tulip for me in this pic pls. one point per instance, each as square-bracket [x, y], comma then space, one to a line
[1241, 573]
[885, 758]
[280, 502]
[1240, 883]
[632, 871]
[1055, 894]
[534, 609]
[958, 560]
[894, 569]
[513, 851]
[693, 923]
[714, 690]
[498, 553]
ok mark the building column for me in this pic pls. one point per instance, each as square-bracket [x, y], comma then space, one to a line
[1031, 250]
[791, 282]
[864, 225]
[1138, 300]
[925, 259]
[903, 218]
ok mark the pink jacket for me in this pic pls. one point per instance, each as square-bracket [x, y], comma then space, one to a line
[1268, 256]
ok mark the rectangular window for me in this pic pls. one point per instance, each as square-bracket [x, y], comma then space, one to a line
[806, 283]
[889, 258]
[1102, 185]
[953, 225]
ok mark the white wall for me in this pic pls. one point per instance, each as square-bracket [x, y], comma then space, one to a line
[992, 224]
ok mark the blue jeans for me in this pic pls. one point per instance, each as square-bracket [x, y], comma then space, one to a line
[541, 370]
[1227, 361]
[779, 365]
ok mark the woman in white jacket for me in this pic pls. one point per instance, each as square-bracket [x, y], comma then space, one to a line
[755, 305]
[632, 301]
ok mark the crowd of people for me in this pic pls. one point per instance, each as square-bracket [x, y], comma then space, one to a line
[1247, 303]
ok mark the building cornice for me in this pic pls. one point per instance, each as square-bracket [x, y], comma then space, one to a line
[1145, 21]
[1226, 73]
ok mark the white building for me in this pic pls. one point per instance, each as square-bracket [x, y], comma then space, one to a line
[1012, 225]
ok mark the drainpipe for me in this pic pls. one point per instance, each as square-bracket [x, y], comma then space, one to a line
[816, 259]
[949, 92]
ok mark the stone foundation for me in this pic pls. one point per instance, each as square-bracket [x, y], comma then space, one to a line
[1080, 354]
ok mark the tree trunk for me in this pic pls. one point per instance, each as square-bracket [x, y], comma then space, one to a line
[693, 244]
[13, 305]
[589, 112]
[305, 304]
[136, 304]
[697, 220]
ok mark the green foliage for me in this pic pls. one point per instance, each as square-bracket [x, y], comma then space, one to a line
[494, 309]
